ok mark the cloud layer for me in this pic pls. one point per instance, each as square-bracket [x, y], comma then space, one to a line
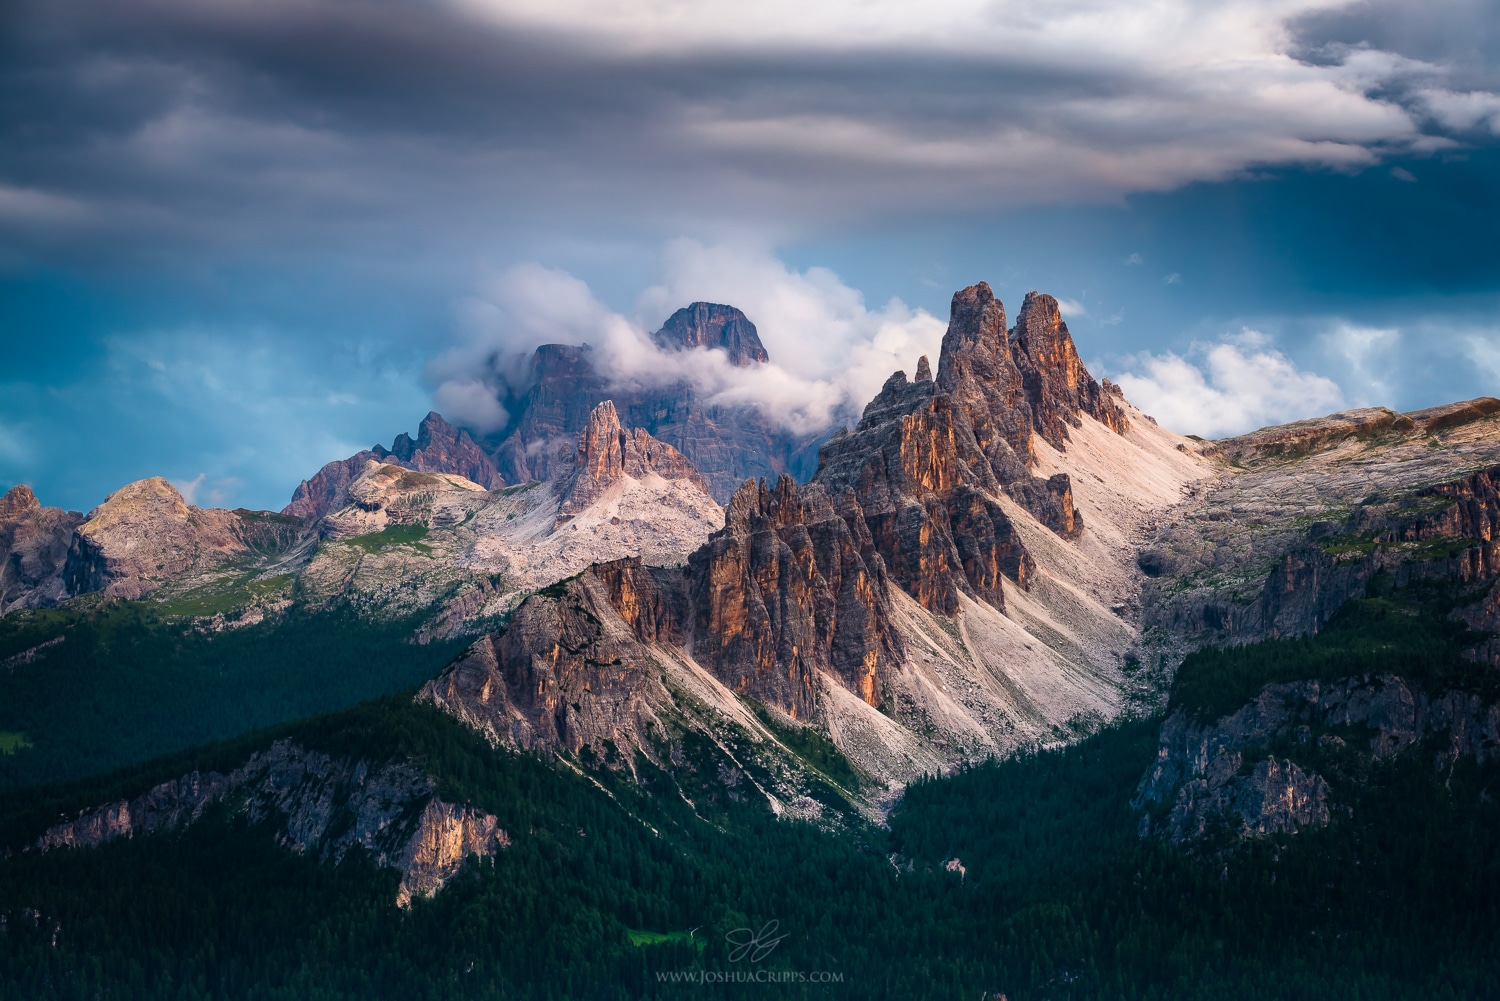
[1242, 383]
[829, 352]
[378, 122]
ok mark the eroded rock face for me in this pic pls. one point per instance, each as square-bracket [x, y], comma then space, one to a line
[568, 671]
[607, 453]
[385, 494]
[34, 543]
[439, 448]
[923, 488]
[1202, 774]
[316, 803]
[143, 536]
[446, 835]
[1311, 570]
[1021, 381]
[792, 587]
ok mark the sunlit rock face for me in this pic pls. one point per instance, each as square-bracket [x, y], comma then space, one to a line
[790, 590]
[607, 454]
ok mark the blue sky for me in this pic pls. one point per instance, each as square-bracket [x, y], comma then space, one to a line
[238, 241]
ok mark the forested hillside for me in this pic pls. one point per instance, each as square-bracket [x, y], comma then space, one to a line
[86, 690]
[1026, 877]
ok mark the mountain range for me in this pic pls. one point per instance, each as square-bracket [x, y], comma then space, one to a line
[681, 601]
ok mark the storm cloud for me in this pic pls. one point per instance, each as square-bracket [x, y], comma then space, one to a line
[374, 121]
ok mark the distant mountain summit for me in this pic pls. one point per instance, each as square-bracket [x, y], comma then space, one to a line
[711, 325]
[727, 444]
[439, 448]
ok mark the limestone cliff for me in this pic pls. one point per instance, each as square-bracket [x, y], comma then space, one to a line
[1275, 551]
[314, 803]
[790, 591]
[926, 497]
[567, 672]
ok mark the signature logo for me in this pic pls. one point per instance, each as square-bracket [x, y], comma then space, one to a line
[753, 945]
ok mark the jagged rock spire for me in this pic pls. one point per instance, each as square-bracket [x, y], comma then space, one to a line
[607, 453]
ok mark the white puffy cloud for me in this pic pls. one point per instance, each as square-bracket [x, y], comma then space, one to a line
[1241, 384]
[1368, 361]
[470, 403]
[829, 352]
[1484, 352]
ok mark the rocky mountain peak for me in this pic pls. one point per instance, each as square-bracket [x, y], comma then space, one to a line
[924, 370]
[439, 448]
[1016, 383]
[18, 502]
[712, 325]
[152, 497]
[976, 320]
[1058, 387]
[143, 535]
[33, 547]
[1042, 334]
[608, 453]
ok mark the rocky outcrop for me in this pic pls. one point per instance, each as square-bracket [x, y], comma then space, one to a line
[778, 599]
[607, 453]
[1453, 415]
[715, 327]
[790, 590]
[34, 543]
[1302, 437]
[145, 535]
[1240, 769]
[439, 448]
[386, 494]
[446, 835]
[315, 804]
[726, 444]
[567, 672]
[1443, 531]
[1028, 379]
[1058, 388]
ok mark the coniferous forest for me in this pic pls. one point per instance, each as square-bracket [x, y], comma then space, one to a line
[621, 888]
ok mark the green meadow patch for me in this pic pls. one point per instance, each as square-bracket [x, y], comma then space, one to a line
[11, 742]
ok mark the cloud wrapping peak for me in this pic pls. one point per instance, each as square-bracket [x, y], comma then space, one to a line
[829, 352]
